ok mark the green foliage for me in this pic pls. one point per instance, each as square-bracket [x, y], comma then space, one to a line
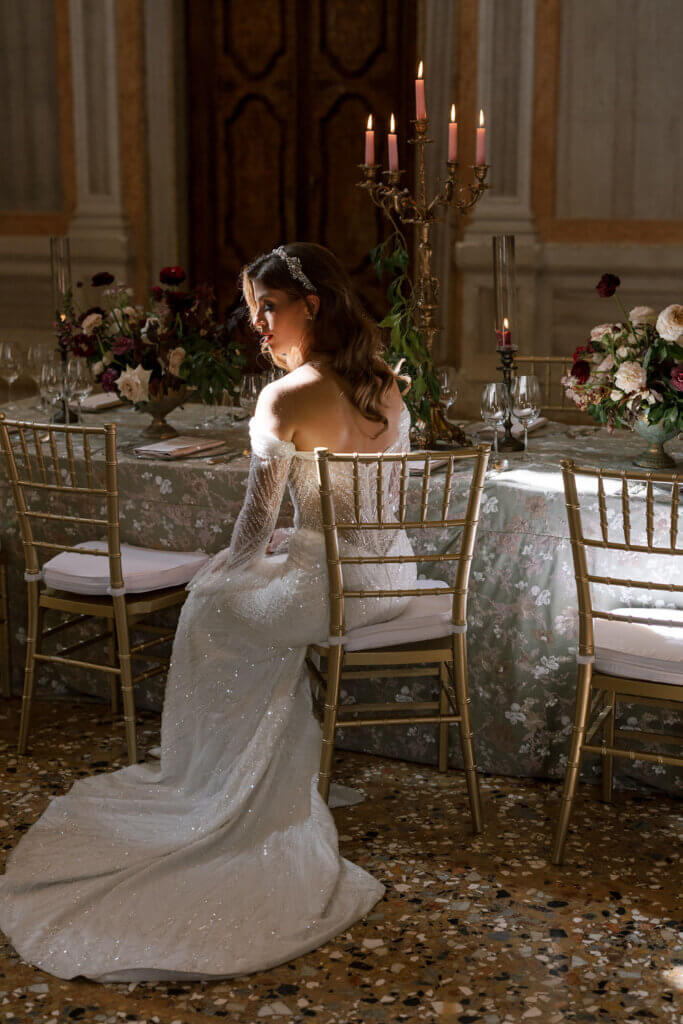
[406, 348]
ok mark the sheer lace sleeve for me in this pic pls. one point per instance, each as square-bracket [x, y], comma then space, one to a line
[270, 463]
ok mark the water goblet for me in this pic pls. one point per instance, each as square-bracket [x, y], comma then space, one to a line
[526, 404]
[494, 408]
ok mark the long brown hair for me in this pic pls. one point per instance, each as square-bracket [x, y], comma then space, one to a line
[342, 331]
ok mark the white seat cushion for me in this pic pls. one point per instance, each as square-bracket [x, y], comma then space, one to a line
[638, 651]
[143, 569]
[423, 618]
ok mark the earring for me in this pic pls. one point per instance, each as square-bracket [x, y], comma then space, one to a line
[310, 315]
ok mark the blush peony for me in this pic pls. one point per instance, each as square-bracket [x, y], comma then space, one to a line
[641, 315]
[630, 377]
[670, 323]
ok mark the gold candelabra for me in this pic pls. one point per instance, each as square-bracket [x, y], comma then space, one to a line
[417, 210]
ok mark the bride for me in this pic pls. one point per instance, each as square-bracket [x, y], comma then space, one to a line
[223, 858]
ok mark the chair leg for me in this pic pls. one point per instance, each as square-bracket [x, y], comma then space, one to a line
[123, 646]
[571, 777]
[607, 759]
[114, 684]
[33, 638]
[334, 670]
[5, 641]
[444, 709]
[459, 650]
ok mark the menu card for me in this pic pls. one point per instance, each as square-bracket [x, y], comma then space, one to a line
[179, 447]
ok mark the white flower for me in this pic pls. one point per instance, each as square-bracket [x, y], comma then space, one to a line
[651, 396]
[150, 322]
[600, 330]
[134, 384]
[131, 312]
[98, 368]
[640, 315]
[108, 358]
[670, 323]
[606, 364]
[622, 351]
[616, 396]
[175, 360]
[92, 321]
[630, 377]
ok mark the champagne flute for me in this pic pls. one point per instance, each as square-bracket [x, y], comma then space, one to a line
[494, 408]
[526, 404]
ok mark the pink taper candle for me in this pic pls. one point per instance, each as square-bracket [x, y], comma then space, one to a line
[480, 157]
[420, 105]
[369, 143]
[453, 137]
[392, 142]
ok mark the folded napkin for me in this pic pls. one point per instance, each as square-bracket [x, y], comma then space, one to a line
[96, 403]
[485, 431]
[179, 447]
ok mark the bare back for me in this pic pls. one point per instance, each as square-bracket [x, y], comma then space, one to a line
[311, 407]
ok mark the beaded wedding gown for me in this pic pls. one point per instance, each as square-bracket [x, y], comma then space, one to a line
[222, 858]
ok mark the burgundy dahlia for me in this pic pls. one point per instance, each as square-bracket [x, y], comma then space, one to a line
[677, 377]
[122, 345]
[607, 285]
[179, 302]
[157, 293]
[109, 378]
[172, 275]
[581, 371]
[101, 279]
[83, 346]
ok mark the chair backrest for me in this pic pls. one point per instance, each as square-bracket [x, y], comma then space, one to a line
[627, 520]
[51, 468]
[396, 518]
[550, 370]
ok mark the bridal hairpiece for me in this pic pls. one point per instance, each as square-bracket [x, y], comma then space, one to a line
[294, 267]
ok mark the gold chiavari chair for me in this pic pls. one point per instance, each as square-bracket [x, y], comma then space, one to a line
[632, 654]
[550, 370]
[5, 644]
[51, 469]
[428, 637]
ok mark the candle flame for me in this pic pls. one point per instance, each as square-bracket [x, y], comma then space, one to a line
[420, 71]
[481, 118]
[506, 324]
[62, 317]
[392, 124]
[453, 113]
[369, 122]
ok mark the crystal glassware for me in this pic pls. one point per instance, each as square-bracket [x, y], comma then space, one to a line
[526, 403]
[448, 393]
[250, 388]
[50, 384]
[494, 408]
[79, 379]
[9, 365]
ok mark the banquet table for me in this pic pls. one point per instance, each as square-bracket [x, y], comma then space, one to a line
[522, 620]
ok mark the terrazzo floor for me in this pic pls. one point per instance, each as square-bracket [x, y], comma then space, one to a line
[471, 929]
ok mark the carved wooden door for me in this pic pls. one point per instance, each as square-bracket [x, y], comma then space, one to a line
[279, 92]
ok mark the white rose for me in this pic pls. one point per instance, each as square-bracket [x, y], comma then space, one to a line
[175, 360]
[98, 368]
[640, 315]
[108, 358]
[600, 330]
[630, 377]
[606, 364]
[91, 322]
[622, 351]
[670, 323]
[616, 396]
[134, 384]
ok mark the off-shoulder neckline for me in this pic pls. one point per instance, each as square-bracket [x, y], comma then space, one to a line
[274, 443]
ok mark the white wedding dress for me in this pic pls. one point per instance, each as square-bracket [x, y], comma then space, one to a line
[221, 859]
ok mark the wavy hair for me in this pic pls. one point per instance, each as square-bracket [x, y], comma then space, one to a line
[342, 331]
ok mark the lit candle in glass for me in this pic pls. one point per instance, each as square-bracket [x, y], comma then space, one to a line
[480, 157]
[392, 143]
[452, 137]
[369, 143]
[420, 105]
[504, 290]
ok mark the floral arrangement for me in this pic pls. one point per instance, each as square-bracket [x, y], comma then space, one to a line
[631, 370]
[147, 354]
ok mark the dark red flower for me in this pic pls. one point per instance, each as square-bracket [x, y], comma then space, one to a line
[109, 378]
[582, 350]
[172, 275]
[677, 377]
[157, 293]
[121, 345]
[581, 371]
[179, 302]
[607, 285]
[104, 277]
[82, 345]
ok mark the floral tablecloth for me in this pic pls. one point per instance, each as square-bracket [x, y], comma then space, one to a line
[522, 610]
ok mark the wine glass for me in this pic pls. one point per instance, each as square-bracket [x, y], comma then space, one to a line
[494, 408]
[526, 403]
[50, 384]
[79, 380]
[9, 365]
[447, 391]
[250, 388]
